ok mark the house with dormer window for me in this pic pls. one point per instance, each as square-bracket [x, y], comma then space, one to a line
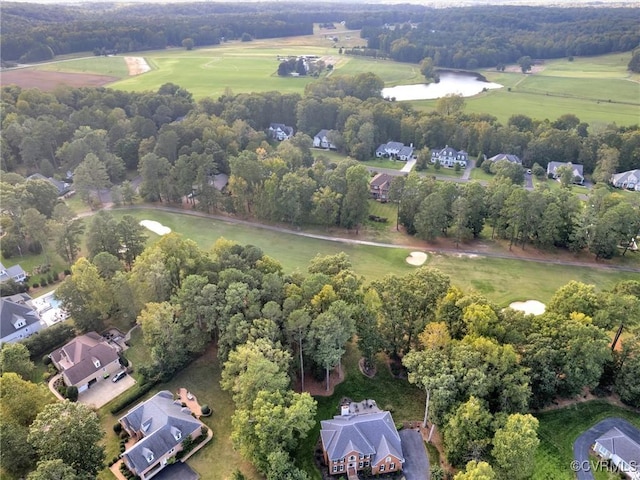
[18, 319]
[86, 360]
[450, 157]
[362, 436]
[396, 151]
[159, 426]
[280, 131]
[15, 273]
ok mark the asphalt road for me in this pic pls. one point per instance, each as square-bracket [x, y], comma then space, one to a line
[416, 462]
[583, 443]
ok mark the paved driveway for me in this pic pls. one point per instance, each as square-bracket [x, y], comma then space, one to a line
[104, 391]
[416, 462]
[177, 471]
[583, 443]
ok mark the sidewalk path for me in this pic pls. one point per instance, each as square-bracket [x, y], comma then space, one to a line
[408, 166]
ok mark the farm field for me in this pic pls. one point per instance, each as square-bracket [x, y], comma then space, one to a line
[527, 280]
[112, 66]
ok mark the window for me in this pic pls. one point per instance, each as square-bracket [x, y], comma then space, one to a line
[392, 466]
[366, 464]
[381, 469]
[335, 468]
[360, 456]
[360, 465]
[352, 458]
[341, 468]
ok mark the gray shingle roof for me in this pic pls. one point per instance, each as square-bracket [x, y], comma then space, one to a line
[619, 444]
[7, 274]
[160, 419]
[380, 179]
[630, 177]
[374, 434]
[577, 168]
[11, 314]
[322, 133]
[506, 156]
[63, 187]
[81, 352]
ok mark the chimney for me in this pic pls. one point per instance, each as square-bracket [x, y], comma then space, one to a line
[344, 410]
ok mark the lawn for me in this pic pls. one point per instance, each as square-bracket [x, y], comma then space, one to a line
[113, 66]
[526, 280]
[384, 163]
[558, 430]
[443, 171]
[30, 261]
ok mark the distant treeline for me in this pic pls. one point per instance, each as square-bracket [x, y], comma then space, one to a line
[455, 37]
[489, 36]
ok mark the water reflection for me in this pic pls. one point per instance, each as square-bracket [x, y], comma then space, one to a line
[464, 84]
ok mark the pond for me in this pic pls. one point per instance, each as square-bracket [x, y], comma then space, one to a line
[465, 84]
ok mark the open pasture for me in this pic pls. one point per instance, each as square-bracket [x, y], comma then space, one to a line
[527, 280]
[113, 66]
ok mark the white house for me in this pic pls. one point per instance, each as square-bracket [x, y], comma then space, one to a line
[578, 177]
[449, 157]
[629, 180]
[396, 150]
[321, 140]
[623, 452]
[506, 156]
[280, 131]
[18, 319]
[15, 273]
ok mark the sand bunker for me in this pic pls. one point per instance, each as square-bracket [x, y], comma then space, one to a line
[416, 258]
[155, 227]
[137, 65]
[530, 306]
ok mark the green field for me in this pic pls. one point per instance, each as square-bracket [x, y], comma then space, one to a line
[559, 429]
[113, 66]
[501, 280]
[599, 90]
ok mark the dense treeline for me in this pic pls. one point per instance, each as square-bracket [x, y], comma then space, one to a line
[490, 36]
[178, 146]
[35, 32]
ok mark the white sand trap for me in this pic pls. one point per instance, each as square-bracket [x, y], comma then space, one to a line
[155, 227]
[530, 306]
[416, 258]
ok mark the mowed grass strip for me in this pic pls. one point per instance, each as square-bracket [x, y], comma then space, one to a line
[559, 429]
[501, 280]
[112, 66]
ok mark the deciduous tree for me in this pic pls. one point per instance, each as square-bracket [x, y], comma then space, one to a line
[514, 447]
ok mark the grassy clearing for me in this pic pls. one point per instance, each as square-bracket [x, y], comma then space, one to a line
[444, 171]
[393, 73]
[113, 66]
[559, 429]
[479, 174]
[526, 280]
[405, 401]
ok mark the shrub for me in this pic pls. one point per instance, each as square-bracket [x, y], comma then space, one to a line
[43, 282]
[46, 359]
[117, 428]
[46, 376]
[124, 361]
[50, 278]
[133, 395]
[35, 285]
[206, 411]
[67, 272]
[48, 339]
[124, 435]
[72, 393]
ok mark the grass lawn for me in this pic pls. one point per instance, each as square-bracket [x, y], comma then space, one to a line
[443, 171]
[113, 66]
[332, 155]
[218, 459]
[559, 429]
[29, 262]
[526, 280]
[555, 185]
[479, 174]
[405, 401]
[384, 163]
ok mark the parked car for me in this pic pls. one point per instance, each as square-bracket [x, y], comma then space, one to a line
[118, 376]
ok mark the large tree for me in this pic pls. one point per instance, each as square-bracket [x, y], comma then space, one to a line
[514, 447]
[467, 433]
[70, 432]
[90, 178]
[14, 357]
[355, 206]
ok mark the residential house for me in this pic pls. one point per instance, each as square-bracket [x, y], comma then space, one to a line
[159, 426]
[629, 180]
[15, 273]
[18, 318]
[552, 171]
[395, 150]
[621, 450]
[280, 131]
[363, 436]
[62, 187]
[449, 157]
[321, 140]
[506, 156]
[379, 186]
[86, 360]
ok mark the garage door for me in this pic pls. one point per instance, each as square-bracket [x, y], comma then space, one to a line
[82, 388]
